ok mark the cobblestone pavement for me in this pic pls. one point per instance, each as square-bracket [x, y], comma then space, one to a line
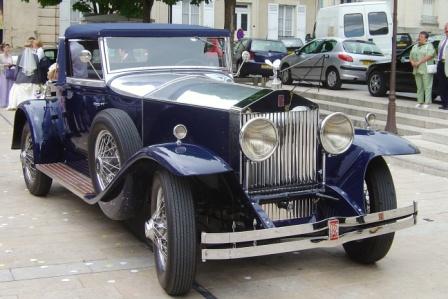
[59, 247]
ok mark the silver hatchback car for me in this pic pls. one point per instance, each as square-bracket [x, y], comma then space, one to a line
[331, 61]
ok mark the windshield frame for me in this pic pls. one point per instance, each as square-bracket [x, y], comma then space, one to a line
[107, 68]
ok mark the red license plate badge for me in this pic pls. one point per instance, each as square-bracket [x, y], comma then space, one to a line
[333, 229]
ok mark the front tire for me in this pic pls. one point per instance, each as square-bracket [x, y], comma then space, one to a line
[379, 195]
[377, 84]
[175, 243]
[285, 76]
[332, 79]
[37, 183]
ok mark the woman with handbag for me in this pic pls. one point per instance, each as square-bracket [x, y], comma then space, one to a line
[6, 75]
[422, 60]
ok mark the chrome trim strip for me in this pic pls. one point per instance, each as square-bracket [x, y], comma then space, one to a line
[305, 243]
[294, 230]
[86, 82]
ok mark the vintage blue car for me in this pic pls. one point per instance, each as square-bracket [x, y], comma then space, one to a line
[147, 122]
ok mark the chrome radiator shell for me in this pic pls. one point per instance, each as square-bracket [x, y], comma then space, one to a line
[294, 162]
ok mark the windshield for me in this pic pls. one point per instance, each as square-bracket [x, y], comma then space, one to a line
[267, 46]
[146, 52]
[361, 47]
[292, 42]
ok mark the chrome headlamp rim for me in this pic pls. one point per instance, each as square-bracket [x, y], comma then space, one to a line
[322, 137]
[241, 139]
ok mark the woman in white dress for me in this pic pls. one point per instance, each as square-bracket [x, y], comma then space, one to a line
[26, 86]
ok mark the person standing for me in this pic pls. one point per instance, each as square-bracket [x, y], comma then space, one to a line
[5, 82]
[421, 55]
[442, 70]
[27, 82]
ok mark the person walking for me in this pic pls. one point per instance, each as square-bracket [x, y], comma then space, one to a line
[6, 81]
[442, 70]
[422, 55]
[27, 81]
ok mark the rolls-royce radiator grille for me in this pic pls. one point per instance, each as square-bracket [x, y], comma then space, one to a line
[294, 161]
[291, 209]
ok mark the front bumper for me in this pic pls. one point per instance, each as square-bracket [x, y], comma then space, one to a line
[326, 233]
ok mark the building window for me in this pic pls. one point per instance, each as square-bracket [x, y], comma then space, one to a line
[190, 13]
[428, 7]
[285, 20]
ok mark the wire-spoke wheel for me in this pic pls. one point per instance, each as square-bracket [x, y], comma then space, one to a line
[172, 229]
[113, 140]
[379, 195]
[37, 183]
[107, 158]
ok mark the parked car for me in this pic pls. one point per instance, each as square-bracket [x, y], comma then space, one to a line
[292, 44]
[51, 54]
[378, 77]
[259, 50]
[331, 61]
[404, 40]
[361, 20]
[200, 164]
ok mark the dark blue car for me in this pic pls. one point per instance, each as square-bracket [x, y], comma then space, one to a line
[259, 50]
[200, 164]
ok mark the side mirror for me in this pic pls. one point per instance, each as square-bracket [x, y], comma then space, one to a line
[297, 52]
[245, 56]
[85, 56]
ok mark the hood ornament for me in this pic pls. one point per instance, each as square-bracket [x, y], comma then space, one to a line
[276, 83]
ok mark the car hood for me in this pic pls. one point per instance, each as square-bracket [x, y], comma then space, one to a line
[207, 90]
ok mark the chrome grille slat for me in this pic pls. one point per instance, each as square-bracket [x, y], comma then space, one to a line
[299, 208]
[294, 161]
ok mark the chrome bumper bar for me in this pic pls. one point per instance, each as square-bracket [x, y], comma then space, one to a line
[356, 228]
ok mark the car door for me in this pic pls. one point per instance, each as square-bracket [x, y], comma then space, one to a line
[307, 61]
[85, 93]
[404, 78]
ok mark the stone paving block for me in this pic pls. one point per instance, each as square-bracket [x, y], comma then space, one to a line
[5, 275]
[44, 271]
[120, 264]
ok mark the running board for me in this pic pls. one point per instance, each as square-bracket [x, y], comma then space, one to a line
[73, 180]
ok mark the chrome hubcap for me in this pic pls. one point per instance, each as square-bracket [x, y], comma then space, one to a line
[332, 78]
[107, 158]
[375, 83]
[156, 229]
[27, 159]
[367, 198]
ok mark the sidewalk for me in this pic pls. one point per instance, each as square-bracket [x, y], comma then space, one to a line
[59, 247]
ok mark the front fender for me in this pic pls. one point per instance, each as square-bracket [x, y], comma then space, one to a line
[45, 122]
[345, 173]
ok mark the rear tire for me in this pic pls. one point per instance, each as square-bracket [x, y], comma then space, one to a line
[173, 214]
[332, 79]
[380, 196]
[376, 84]
[37, 183]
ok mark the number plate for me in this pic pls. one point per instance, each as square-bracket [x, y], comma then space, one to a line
[266, 67]
[366, 62]
[333, 229]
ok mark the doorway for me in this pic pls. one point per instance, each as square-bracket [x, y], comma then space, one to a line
[242, 19]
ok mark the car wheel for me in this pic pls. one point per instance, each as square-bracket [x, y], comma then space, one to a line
[285, 76]
[379, 195]
[332, 79]
[377, 84]
[174, 232]
[37, 182]
[113, 140]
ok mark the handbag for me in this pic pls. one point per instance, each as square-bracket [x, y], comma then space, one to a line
[11, 74]
[430, 68]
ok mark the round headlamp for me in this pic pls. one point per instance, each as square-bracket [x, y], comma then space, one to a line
[258, 139]
[336, 133]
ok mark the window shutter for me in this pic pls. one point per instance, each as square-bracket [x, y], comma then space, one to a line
[272, 21]
[177, 13]
[301, 22]
[209, 15]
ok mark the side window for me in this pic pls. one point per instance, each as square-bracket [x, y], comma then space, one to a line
[312, 47]
[83, 70]
[353, 25]
[378, 23]
[328, 46]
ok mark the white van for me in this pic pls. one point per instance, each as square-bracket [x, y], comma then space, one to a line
[366, 20]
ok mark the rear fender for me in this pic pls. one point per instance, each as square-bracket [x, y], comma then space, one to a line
[45, 122]
[345, 173]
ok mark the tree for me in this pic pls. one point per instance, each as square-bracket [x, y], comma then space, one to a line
[229, 16]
